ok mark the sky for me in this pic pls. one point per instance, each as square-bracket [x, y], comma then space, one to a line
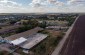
[42, 6]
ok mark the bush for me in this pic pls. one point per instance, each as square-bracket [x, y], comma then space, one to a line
[43, 31]
[0, 28]
[47, 46]
[1, 53]
[24, 28]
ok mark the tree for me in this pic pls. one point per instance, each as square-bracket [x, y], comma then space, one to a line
[33, 22]
[10, 54]
[24, 28]
[43, 24]
[0, 28]
[1, 53]
[12, 21]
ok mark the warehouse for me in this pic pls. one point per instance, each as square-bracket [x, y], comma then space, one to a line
[34, 41]
[27, 40]
[25, 34]
[18, 41]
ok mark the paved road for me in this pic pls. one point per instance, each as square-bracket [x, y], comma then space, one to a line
[75, 43]
[61, 43]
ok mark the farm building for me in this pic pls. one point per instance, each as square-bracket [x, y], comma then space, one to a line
[27, 39]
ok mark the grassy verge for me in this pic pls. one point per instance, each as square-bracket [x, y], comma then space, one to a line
[5, 53]
[48, 45]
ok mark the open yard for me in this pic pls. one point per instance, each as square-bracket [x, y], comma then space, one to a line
[48, 45]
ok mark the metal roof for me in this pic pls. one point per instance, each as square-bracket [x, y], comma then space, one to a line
[24, 34]
[18, 41]
[35, 41]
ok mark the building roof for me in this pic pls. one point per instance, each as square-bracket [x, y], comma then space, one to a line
[53, 27]
[35, 41]
[1, 38]
[24, 34]
[18, 41]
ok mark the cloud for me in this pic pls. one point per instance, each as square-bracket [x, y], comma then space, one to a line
[9, 3]
[76, 5]
[42, 6]
[7, 6]
[76, 2]
[39, 3]
[56, 2]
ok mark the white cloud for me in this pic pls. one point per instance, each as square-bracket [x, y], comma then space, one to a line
[8, 3]
[76, 5]
[38, 3]
[76, 2]
[9, 6]
[55, 2]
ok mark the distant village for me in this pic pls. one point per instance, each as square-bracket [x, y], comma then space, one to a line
[33, 34]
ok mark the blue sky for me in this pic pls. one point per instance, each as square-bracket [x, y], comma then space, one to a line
[29, 1]
[25, 2]
[42, 6]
